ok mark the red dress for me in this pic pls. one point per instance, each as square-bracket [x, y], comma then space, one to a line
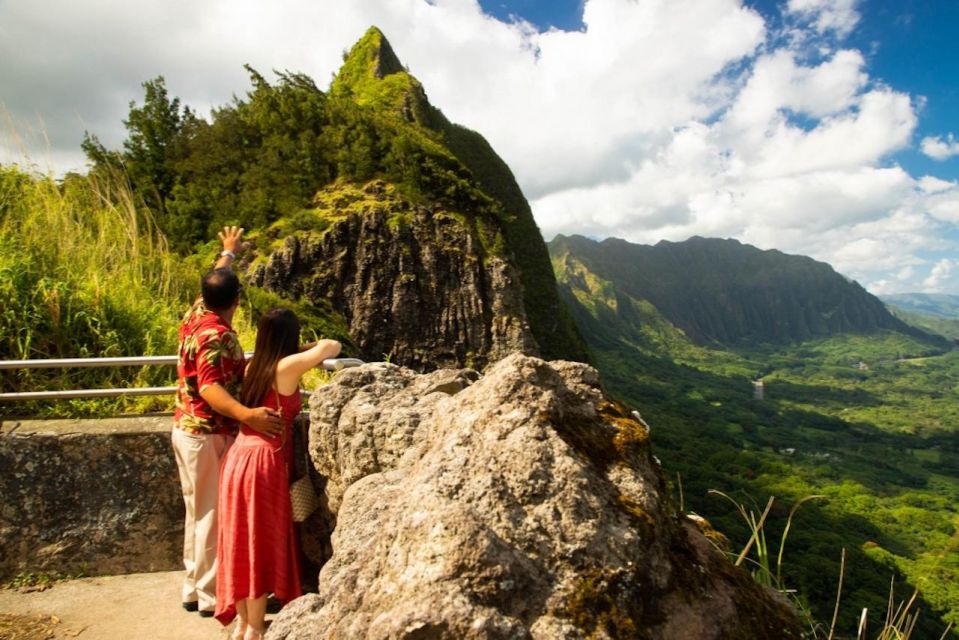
[256, 544]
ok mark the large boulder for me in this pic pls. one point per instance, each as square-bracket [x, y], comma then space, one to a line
[525, 504]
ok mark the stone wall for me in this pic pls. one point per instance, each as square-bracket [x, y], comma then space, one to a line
[93, 496]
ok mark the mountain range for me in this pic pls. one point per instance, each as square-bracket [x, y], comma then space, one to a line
[716, 292]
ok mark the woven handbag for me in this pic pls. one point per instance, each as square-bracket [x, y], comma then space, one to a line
[303, 498]
[303, 494]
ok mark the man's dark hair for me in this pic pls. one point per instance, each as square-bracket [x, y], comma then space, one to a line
[220, 289]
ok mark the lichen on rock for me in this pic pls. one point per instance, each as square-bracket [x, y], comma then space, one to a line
[464, 509]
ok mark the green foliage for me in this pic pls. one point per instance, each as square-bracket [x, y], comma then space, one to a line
[315, 322]
[41, 581]
[151, 148]
[259, 159]
[83, 273]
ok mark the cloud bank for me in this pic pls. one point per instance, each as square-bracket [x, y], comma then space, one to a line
[657, 120]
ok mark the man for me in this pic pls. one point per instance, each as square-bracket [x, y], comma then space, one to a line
[210, 371]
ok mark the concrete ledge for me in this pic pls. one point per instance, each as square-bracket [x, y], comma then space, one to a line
[97, 496]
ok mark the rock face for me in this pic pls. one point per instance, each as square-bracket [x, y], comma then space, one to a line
[522, 505]
[97, 497]
[420, 290]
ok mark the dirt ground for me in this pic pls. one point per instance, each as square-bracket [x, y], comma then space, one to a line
[142, 605]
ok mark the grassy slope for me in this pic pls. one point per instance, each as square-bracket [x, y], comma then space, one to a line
[84, 273]
[81, 277]
[880, 443]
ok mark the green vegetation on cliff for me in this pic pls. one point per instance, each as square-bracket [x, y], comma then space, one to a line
[261, 161]
[866, 418]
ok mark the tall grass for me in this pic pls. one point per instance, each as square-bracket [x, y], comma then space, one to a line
[900, 619]
[84, 272]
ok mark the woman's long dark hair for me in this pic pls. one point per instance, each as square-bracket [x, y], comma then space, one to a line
[277, 336]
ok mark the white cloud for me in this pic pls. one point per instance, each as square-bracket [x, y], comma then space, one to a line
[932, 184]
[839, 16]
[939, 273]
[939, 149]
[657, 120]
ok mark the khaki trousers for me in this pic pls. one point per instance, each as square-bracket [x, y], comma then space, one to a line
[198, 460]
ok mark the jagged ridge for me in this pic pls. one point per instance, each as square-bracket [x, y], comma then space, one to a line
[724, 292]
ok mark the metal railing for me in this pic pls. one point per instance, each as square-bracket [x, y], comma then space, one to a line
[332, 364]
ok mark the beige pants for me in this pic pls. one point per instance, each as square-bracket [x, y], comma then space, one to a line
[198, 459]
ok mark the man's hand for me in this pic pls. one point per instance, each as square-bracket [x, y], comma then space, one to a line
[231, 238]
[262, 419]
[265, 420]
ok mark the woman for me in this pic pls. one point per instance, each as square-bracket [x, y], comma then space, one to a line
[256, 548]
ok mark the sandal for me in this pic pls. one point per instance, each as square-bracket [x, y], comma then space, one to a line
[239, 631]
[253, 634]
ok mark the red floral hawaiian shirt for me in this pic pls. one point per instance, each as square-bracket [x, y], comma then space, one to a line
[209, 353]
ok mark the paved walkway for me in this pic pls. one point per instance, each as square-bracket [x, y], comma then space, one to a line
[141, 605]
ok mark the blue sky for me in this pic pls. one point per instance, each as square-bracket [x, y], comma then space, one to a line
[825, 128]
[912, 45]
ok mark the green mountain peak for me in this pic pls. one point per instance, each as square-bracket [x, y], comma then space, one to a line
[370, 60]
[373, 76]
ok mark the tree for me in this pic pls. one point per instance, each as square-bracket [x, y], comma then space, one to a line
[151, 146]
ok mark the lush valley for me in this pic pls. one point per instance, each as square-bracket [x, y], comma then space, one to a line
[866, 419]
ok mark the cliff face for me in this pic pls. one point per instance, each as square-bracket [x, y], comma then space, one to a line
[522, 505]
[416, 284]
[720, 291]
[423, 242]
